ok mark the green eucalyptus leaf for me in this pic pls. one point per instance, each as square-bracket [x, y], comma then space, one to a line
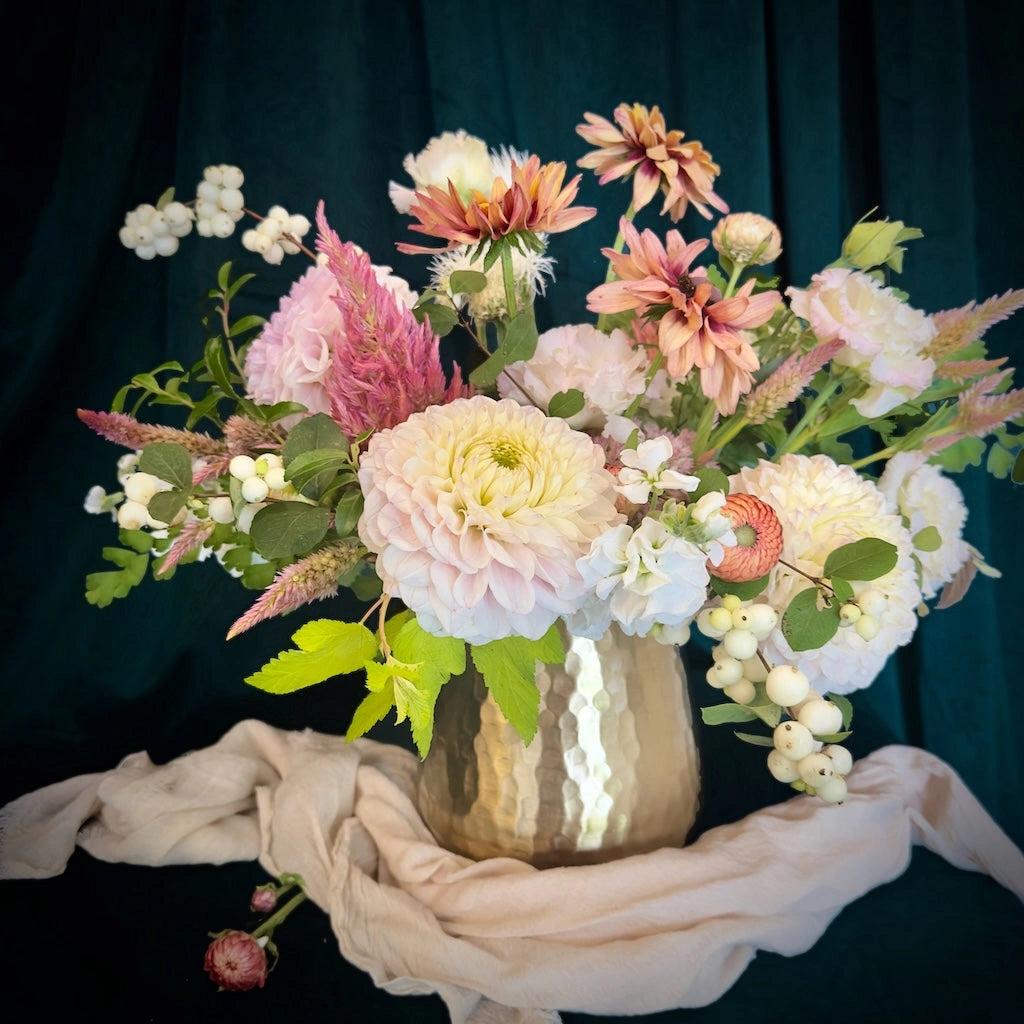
[169, 462]
[283, 529]
[928, 539]
[806, 626]
[467, 282]
[165, 505]
[566, 403]
[719, 714]
[863, 560]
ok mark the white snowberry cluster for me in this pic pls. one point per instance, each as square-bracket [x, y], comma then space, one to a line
[278, 233]
[133, 513]
[798, 756]
[257, 481]
[219, 205]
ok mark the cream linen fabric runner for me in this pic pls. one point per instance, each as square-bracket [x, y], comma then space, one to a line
[500, 941]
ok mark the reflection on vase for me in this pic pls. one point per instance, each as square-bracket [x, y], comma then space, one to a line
[612, 771]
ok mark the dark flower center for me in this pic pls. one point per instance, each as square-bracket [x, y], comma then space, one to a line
[687, 285]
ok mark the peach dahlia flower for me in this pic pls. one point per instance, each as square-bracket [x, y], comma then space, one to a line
[638, 144]
[697, 328]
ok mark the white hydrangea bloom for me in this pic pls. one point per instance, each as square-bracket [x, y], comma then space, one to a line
[641, 578]
[478, 511]
[925, 496]
[606, 368]
[821, 506]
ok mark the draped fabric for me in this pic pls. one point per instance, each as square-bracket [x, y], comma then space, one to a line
[817, 113]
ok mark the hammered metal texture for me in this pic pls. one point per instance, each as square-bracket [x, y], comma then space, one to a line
[613, 770]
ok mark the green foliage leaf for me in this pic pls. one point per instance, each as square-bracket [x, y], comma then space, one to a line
[246, 324]
[757, 741]
[806, 626]
[372, 709]
[286, 528]
[347, 512]
[520, 341]
[719, 714]
[845, 706]
[326, 648]
[1017, 473]
[167, 461]
[165, 505]
[744, 591]
[711, 479]
[311, 432]
[217, 365]
[928, 539]
[441, 317]
[102, 588]
[312, 471]
[509, 670]
[467, 282]
[566, 403]
[863, 560]
[841, 588]
[484, 375]
[968, 451]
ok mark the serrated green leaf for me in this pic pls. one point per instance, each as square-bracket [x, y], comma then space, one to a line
[286, 528]
[326, 648]
[806, 626]
[373, 709]
[101, 588]
[719, 714]
[861, 560]
[566, 404]
[744, 591]
[169, 462]
[928, 539]
[467, 282]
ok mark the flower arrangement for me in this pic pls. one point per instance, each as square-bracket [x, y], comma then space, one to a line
[770, 465]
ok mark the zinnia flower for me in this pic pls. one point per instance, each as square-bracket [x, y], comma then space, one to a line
[478, 511]
[926, 497]
[606, 368]
[758, 539]
[886, 338]
[698, 327]
[657, 159]
[236, 961]
[821, 506]
[534, 202]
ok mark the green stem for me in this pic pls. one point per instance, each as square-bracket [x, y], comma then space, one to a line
[733, 278]
[508, 279]
[726, 432]
[704, 427]
[655, 366]
[268, 926]
[806, 428]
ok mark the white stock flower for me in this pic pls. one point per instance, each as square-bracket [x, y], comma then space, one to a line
[643, 470]
[478, 511]
[717, 527]
[925, 496]
[885, 336]
[458, 157]
[606, 368]
[821, 506]
[641, 579]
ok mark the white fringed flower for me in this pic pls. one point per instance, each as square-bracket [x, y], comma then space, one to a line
[821, 506]
[885, 337]
[925, 496]
[606, 368]
[478, 511]
[641, 579]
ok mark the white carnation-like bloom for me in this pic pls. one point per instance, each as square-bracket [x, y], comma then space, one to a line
[821, 506]
[458, 157]
[606, 368]
[641, 578]
[925, 496]
[885, 336]
[478, 511]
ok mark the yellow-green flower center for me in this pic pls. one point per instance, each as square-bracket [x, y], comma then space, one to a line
[506, 454]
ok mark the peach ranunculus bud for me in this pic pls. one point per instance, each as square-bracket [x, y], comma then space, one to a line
[747, 238]
[758, 540]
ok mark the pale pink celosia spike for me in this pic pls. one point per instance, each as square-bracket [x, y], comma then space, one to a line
[210, 469]
[127, 431]
[958, 328]
[389, 365]
[969, 369]
[313, 578]
[979, 412]
[785, 385]
[245, 436]
[192, 536]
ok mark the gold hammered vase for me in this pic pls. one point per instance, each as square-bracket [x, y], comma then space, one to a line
[613, 770]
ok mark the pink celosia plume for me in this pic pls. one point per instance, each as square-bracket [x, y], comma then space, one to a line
[192, 536]
[957, 328]
[782, 387]
[129, 432]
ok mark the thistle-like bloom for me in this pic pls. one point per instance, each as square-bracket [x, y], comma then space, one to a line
[478, 512]
[236, 961]
[384, 364]
[657, 159]
[758, 539]
[697, 327]
[535, 202]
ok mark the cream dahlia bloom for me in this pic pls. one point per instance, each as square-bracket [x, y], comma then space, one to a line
[925, 496]
[478, 511]
[606, 368]
[821, 506]
[886, 338]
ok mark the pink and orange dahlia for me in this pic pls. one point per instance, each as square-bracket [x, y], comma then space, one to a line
[534, 202]
[758, 540]
[696, 326]
[640, 146]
